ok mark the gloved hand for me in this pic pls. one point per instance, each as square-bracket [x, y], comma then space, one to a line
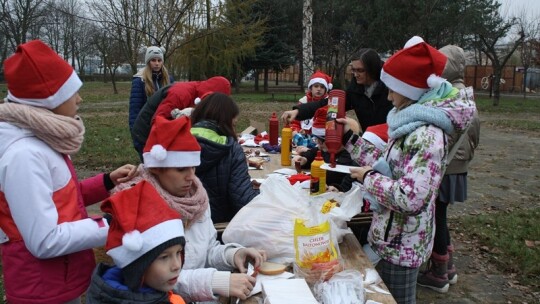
[176, 113]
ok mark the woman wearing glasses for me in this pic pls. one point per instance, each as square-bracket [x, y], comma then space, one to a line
[366, 95]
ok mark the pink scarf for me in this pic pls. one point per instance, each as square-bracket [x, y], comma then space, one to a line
[62, 133]
[191, 207]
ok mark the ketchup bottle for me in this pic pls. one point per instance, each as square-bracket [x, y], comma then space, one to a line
[273, 129]
[334, 130]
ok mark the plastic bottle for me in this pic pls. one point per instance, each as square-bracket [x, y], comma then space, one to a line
[273, 129]
[317, 183]
[286, 145]
[334, 130]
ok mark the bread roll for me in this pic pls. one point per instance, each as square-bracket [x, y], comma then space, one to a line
[269, 268]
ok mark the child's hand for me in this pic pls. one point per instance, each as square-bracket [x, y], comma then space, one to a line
[359, 173]
[332, 189]
[123, 174]
[301, 149]
[301, 159]
[245, 255]
[241, 285]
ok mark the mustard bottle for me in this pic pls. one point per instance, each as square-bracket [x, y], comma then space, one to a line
[286, 145]
[318, 176]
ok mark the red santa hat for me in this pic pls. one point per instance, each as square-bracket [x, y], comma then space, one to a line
[322, 78]
[377, 135]
[142, 226]
[319, 122]
[414, 70]
[171, 145]
[214, 84]
[37, 76]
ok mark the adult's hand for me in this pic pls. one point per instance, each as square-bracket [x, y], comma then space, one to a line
[346, 124]
[123, 174]
[241, 285]
[288, 116]
[245, 255]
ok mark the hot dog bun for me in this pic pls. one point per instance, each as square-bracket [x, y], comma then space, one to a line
[270, 268]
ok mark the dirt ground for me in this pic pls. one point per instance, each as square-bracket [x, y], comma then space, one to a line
[504, 175]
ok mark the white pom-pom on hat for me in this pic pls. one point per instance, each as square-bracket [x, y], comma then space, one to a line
[330, 86]
[133, 240]
[197, 100]
[435, 81]
[158, 152]
[413, 41]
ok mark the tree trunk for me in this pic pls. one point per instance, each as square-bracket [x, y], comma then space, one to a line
[265, 80]
[525, 68]
[256, 80]
[496, 87]
[307, 41]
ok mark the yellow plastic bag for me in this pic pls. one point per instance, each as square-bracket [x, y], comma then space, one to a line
[316, 254]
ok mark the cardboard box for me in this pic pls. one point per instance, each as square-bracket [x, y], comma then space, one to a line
[255, 127]
[249, 130]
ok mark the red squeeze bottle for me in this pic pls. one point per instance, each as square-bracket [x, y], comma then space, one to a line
[273, 129]
[334, 130]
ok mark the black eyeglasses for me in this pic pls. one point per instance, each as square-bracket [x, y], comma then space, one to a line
[358, 71]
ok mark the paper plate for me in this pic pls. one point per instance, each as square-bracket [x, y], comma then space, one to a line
[338, 168]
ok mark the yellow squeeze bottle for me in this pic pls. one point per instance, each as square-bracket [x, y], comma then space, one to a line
[318, 176]
[286, 145]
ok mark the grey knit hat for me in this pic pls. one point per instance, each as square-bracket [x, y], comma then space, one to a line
[154, 52]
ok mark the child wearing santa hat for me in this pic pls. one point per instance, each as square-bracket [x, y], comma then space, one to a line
[146, 242]
[318, 87]
[47, 254]
[426, 109]
[171, 156]
[173, 101]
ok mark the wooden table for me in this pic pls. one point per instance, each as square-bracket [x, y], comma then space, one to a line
[351, 251]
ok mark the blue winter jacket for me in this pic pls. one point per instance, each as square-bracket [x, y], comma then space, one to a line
[224, 173]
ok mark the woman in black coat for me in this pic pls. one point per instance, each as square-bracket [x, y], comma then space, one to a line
[366, 95]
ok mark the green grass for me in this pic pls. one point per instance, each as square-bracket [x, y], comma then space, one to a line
[505, 235]
[510, 105]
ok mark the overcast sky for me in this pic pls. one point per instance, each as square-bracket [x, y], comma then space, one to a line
[516, 7]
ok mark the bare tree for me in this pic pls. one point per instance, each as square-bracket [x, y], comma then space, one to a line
[307, 40]
[111, 53]
[127, 20]
[490, 35]
[21, 20]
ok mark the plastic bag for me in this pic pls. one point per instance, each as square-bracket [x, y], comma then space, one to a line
[345, 287]
[317, 254]
[267, 222]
